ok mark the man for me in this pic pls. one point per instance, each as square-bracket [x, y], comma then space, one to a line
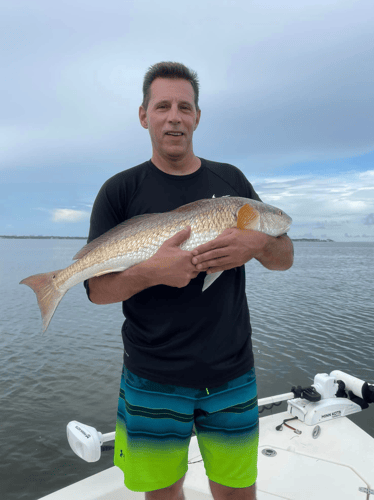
[188, 354]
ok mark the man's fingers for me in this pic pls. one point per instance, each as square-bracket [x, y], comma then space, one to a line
[213, 263]
[204, 248]
[218, 242]
[218, 253]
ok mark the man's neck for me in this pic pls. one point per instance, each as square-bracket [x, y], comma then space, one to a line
[177, 167]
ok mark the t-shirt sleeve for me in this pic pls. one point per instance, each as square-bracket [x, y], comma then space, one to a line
[251, 192]
[237, 179]
[105, 215]
[249, 189]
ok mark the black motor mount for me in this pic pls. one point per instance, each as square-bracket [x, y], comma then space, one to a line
[308, 393]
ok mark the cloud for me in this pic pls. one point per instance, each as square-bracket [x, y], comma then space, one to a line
[346, 235]
[284, 85]
[342, 197]
[69, 215]
[281, 82]
[335, 206]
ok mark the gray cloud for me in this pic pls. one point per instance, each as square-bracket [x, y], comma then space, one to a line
[69, 215]
[282, 84]
[279, 83]
[332, 204]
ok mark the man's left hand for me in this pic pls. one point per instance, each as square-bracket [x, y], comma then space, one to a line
[233, 248]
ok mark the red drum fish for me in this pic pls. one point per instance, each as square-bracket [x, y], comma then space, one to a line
[138, 239]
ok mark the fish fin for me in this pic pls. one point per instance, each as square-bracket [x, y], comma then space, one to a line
[247, 217]
[107, 271]
[210, 278]
[116, 233]
[47, 294]
[101, 273]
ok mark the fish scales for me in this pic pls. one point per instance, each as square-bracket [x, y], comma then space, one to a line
[154, 234]
[138, 239]
[150, 238]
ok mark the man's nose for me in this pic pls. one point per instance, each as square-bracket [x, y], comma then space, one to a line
[174, 114]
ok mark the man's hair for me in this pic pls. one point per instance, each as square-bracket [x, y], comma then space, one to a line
[169, 70]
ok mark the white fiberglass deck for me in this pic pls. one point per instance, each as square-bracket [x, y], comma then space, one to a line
[332, 467]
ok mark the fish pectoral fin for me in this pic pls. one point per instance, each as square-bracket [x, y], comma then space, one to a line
[210, 278]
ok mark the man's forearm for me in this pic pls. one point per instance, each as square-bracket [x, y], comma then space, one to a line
[118, 287]
[277, 254]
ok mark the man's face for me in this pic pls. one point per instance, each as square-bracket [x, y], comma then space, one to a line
[171, 109]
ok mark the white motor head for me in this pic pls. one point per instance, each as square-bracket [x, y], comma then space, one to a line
[84, 440]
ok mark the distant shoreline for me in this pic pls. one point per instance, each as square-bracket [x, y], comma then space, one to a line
[313, 239]
[45, 237]
[85, 238]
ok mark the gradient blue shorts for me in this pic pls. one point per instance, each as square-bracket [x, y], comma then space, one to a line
[155, 423]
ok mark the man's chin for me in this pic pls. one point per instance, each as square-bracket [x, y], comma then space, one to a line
[176, 154]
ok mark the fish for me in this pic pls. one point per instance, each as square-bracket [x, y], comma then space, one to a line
[138, 239]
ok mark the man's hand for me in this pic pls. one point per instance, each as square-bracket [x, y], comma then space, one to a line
[234, 247]
[170, 265]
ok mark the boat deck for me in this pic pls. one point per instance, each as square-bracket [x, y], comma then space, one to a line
[334, 466]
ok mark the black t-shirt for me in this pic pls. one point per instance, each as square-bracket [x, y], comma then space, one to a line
[180, 336]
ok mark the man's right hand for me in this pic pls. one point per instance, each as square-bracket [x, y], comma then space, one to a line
[170, 265]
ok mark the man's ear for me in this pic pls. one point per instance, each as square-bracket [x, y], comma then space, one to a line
[198, 115]
[143, 117]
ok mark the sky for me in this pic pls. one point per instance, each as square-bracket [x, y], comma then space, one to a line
[286, 95]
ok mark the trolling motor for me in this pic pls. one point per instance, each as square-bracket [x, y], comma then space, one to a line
[356, 387]
[331, 396]
[86, 441]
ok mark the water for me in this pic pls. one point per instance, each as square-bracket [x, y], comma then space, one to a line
[313, 318]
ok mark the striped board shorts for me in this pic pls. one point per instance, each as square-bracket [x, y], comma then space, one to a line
[154, 427]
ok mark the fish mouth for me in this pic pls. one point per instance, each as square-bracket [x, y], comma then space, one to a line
[287, 227]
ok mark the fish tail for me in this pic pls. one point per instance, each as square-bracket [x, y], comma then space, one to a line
[47, 294]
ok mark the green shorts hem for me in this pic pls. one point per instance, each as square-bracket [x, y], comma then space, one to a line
[143, 488]
[234, 484]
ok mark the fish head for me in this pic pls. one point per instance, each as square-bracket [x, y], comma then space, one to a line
[274, 221]
[261, 217]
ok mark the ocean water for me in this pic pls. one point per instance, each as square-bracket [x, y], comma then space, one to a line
[314, 318]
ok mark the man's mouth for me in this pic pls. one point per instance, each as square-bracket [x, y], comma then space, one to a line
[174, 133]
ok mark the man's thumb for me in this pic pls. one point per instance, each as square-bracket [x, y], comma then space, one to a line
[182, 236]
